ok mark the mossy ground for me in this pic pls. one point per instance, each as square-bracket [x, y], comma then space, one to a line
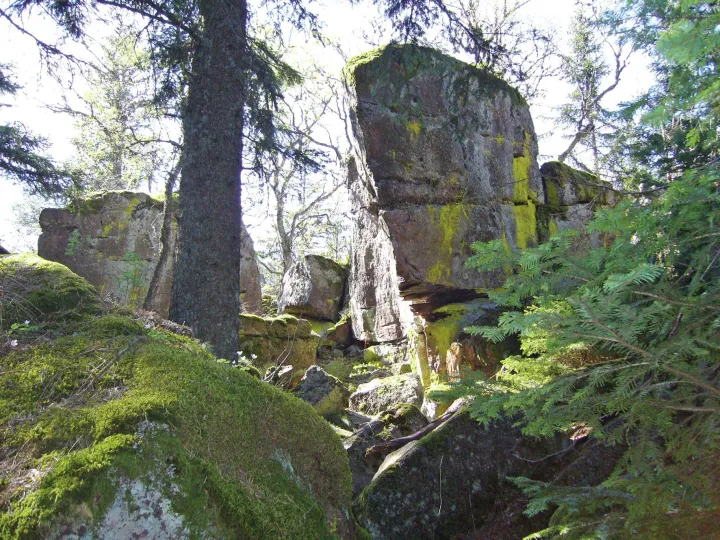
[250, 460]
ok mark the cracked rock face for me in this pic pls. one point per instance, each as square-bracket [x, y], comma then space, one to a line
[113, 241]
[445, 157]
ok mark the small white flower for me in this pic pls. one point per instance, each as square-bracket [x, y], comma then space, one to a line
[148, 325]
[239, 353]
[253, 356]
[27, 322]
[14, 343]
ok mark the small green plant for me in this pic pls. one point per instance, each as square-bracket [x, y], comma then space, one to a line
[22, 328]
[131, 280]
[73, 243]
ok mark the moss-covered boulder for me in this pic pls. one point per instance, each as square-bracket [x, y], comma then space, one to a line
[454, 482]
[327, 395]
[399, 421]
[381, 394]
[89, 421]
[117, 428]
[571, 198]
[271, 341]
[34, 289]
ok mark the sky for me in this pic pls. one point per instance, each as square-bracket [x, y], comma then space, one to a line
[355, 28]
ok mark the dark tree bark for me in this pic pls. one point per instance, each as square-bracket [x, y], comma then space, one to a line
[206, 283]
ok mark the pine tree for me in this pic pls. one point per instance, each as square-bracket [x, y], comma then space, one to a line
[623, 340]
[21, 153]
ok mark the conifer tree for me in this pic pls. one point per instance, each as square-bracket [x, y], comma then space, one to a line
[623, 340]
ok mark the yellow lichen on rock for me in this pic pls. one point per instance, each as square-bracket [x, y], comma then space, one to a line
[522, 167]
[447, 220]
[525, 225]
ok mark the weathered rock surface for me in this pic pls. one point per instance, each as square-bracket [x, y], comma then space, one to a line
[325, 393]
[341, 333]
[314, 287]
[382, 394]
[439, 345]
[453, 482]
[570, 198]
[250, 290]
[273, 341]
[399, 421]
[446, 157]
[113, 241]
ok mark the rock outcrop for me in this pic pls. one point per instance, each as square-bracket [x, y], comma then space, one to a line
[446, 156]
[274, 341]
[314, 287]
[113, 240]
[570, 198]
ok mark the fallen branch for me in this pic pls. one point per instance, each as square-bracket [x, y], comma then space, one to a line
[394, 444]
[94, 378]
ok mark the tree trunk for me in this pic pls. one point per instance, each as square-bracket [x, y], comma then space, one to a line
[206, 284]
[155, 299]
[283, 236]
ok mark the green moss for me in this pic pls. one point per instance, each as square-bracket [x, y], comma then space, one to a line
[525, 225]
[113, 325]
[414, 127]
[447, 219]
[225, 432]
[441, 333]
[321, 327]
[360, 60]
[522, 169]
[417, 351]
[33, 288]
[92, 203]
[339, 368]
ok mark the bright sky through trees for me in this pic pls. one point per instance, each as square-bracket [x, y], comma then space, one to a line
[354, 28]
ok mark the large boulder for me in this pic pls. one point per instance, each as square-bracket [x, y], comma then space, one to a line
[453, 483]
[446, 157]
[399, 421]
[33, 289]
[115, 430]
[112, 239]
[382, 394]
[314, 287]
[325, 393]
